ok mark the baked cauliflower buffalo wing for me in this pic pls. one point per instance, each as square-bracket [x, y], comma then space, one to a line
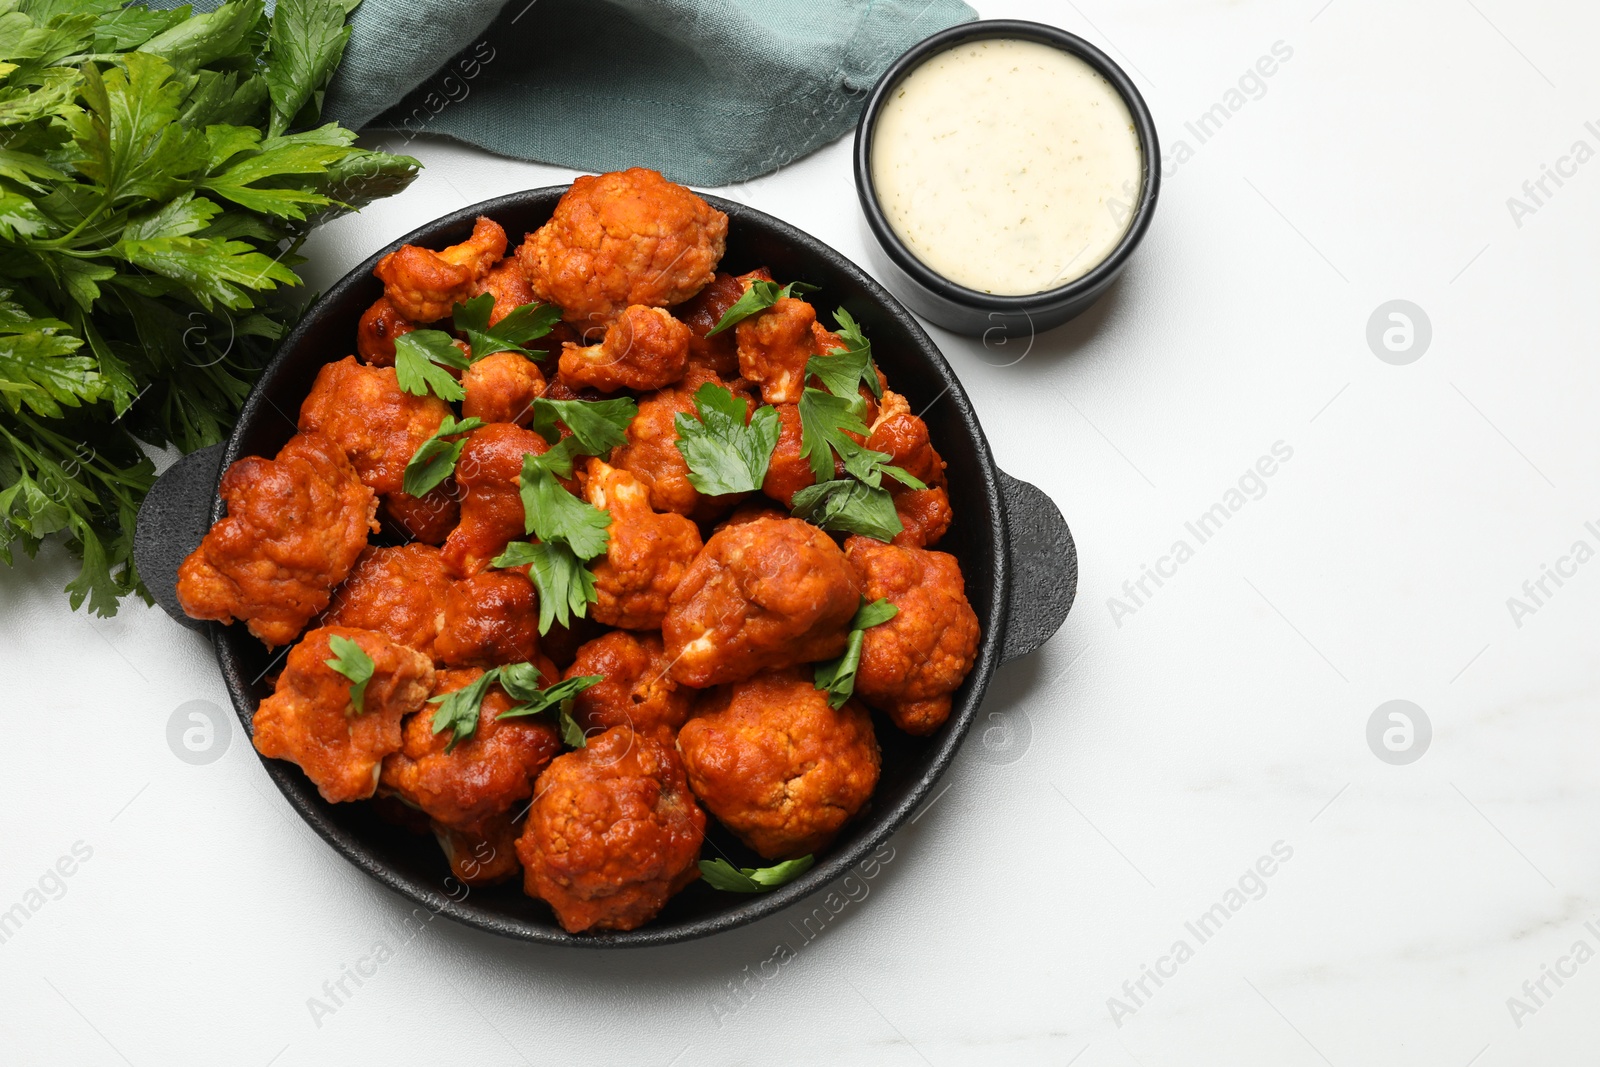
[630, 237]
[295, 526]
[489, 474]
[613, 833]
[507, 282]
[925, 513]
[719, 354]
[774, 347]
[651, 451]
[399, 592]
[488, 774]
[637, 691]
[310, 719]
[424, 285]
[647, 554]
[911, 664]
[379, 427]
[760, 595]
[501, 388]
[777, 765]
[489, 619]
[380, 327]
[645, 348]
[484, 855]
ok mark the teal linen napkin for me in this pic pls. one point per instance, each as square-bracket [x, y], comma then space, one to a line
[706, 91]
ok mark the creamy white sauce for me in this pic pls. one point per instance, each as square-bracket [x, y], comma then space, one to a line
[1009, 167]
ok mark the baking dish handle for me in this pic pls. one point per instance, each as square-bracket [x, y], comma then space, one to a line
[1044, 567]
[173, 519]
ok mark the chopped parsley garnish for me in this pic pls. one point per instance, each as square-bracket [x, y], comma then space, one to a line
[420, 359]
[569, 530]
[598, 426]
[352, 661]
[460, 710]
[435, 460]
[826, 422]
[720, 874]
[522, 324]
[845, 370]
[849, 506]
[554, 515]
[566, 587]
[837, 677]
[724, 454]
[759, 297]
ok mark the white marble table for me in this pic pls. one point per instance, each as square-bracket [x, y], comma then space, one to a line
[1150, 762]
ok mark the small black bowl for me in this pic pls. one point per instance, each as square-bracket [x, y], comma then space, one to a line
[967, 311]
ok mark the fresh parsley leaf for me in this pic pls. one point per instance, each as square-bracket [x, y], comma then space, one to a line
[522, 680]
[458, 710]
[526, 323]
[845, 370]
[566, 587]
[571, 732]
[304, 45]
[597, 425]
[759, 297]
[558, 697]
[350, 660]
[554, 515]
[420, 359]
[825, 423]
[724, 454]
[720, 874]
[837, 677]
[849, 506]
[435, 459]
[871, 614]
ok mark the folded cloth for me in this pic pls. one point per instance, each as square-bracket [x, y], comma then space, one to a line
[706, 91]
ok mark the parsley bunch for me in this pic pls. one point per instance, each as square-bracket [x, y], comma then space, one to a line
[158, 170]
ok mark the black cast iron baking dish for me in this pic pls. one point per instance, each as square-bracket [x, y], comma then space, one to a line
[1014, 547]
[967, 311]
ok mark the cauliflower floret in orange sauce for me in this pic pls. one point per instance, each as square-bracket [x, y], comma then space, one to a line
[613, 833]
[379, 427]
[507, 282]
[646, 348]
[294, 528]
[911, 664]
[777, 765]
[760, 595]
[637, 690]
[399, 592]
[651, 451]
[646, 553]
[380, 327]
[424, 286]
[486, 774]
[489, 474]
[490, 619]
[311, 721]
[501, 388]
[629, 237]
